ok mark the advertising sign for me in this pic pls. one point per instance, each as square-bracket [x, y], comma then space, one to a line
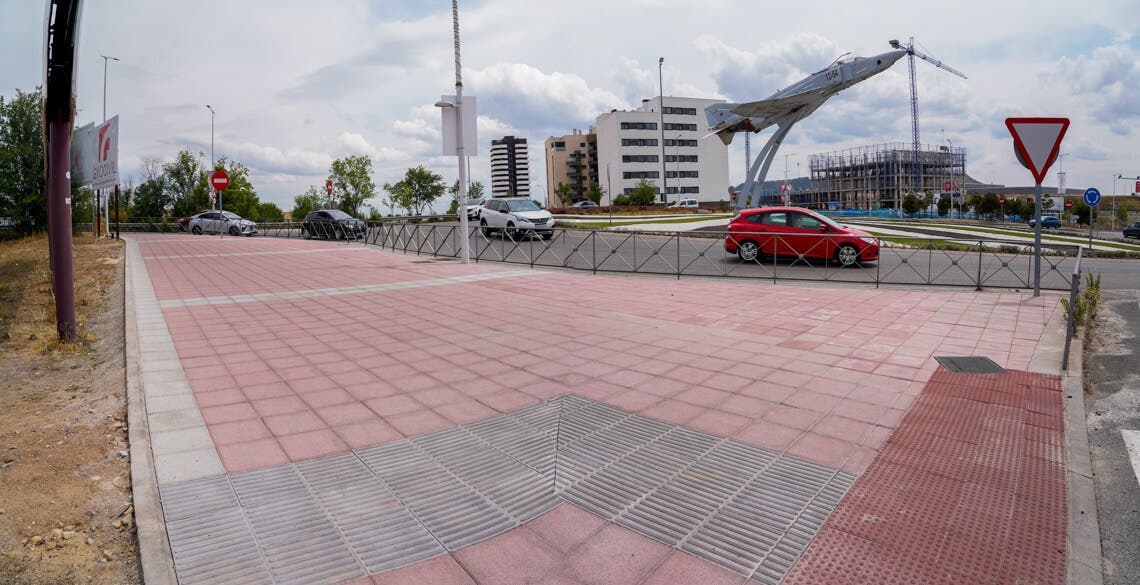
[83, 154]
[450, 125]
[105, 172]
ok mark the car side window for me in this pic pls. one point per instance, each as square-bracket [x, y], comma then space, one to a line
[775, 218]
[324, 215]
[755, 218]
[806, 222]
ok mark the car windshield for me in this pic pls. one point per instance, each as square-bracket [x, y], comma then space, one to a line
[825, 219]
[522, 205]
[231, 215]
[338, 214]
[474, 202]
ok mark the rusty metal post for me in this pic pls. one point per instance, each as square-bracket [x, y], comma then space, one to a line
[117, 237]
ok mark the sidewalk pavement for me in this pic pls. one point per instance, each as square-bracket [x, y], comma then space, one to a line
[324, 413]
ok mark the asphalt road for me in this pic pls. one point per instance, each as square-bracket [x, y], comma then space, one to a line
[1113, 361]
[693, 255]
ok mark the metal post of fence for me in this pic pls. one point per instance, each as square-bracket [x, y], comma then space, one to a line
[1069, 324]
[678, 256]
[979, 265]
[775, 255]
[929, 260]
[878, 263]
[594, 250]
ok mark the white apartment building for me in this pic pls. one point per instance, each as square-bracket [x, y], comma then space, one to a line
[630, 149]
[510, 167]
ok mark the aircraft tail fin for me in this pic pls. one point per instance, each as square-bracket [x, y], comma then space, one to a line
[722, 122]
[718, 113]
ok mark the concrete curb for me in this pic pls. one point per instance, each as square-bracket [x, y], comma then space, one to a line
[155, 559]
[1084, 558]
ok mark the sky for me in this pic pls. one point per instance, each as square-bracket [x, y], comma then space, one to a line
[296, 84]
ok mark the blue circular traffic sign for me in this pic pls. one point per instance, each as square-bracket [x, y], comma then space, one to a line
[1092, 197]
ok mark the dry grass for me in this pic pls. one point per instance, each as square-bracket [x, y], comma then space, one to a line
[27, 305]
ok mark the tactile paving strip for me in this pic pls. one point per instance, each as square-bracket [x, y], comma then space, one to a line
[335, 518]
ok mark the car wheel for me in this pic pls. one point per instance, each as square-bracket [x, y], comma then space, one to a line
[196, 230]
[305, 234]
[234, 230]
[338, 233]
[847, 255]
[547, 235]
[515, 233]
[748, 251]
[483, 226]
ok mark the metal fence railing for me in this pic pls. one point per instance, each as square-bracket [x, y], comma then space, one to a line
[979, 263]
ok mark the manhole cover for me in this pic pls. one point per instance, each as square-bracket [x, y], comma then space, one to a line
[970, 365]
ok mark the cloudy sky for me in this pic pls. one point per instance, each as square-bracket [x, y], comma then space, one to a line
[296, 84]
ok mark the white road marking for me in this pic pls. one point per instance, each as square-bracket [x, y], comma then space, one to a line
[1132, 443]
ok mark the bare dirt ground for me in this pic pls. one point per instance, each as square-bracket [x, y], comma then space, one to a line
[65, 498]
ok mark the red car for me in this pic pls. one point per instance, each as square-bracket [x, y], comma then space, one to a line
[182, 222]
[797, 232]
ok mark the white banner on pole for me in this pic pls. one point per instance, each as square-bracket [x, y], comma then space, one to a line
[106, 170]
[470, 133]
[83, 154]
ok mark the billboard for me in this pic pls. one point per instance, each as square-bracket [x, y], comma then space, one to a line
[470, 133]
[95, 154]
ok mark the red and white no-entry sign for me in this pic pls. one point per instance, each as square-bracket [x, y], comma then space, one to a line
[1036, 142]
[219, 180]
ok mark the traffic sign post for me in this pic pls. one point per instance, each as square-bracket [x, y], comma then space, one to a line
[219, 180]
[1092, 199]
[1035, 143]
[328, 187]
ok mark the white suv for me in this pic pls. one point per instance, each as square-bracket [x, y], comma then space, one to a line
[687, 204]
[516, 217]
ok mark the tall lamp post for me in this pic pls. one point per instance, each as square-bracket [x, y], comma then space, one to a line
[212, 144]
[677, 164]
[98, 211]
[464, 235]
[661, 110]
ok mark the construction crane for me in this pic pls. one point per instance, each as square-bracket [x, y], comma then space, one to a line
[911, 54]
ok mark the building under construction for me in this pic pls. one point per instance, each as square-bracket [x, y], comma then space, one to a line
[881, 175]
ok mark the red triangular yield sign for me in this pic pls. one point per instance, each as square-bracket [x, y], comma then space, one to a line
[1036, 142]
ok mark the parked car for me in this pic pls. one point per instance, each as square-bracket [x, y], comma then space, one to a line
[1132, 231]
[583, 204]
[515, 216]
[186, 220]
[332, 223]
[686, 204]
[221, 222]
[797, 232]
[1047, 221]
[473, 207]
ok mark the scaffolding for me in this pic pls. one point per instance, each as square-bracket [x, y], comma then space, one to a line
[880, 175]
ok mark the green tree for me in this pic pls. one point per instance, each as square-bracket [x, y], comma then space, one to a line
[474, 193]
[352, 183]
[594, 193]
[944, 204]
[911, 203]
[1122, 214]
[1083, 212]
[185, 184]
[645, 193]
[988, 205]
[22, 195]
[564, 193]
[239, 197]
[311, 200]
[417, 190]
[621, 200]
[151, 198]
[269, 211]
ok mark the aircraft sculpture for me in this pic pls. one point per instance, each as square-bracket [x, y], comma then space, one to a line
[792, 104]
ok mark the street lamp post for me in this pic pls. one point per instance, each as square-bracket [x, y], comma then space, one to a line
[785, 195]
[97, 212]
[105, 59]
[464, 235]
[677, 164]
[217, 194]
[661, 110]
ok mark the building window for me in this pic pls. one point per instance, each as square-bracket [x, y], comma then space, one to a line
[641, 142]
[640, 158]
[693, 190]
[690, 127]
[687, 143]
[680, 111]
[681, 174]
[641, 174]
[639, 125]
[681, 158]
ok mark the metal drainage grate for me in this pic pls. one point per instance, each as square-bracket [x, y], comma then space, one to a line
[334, 518]
[970, 365]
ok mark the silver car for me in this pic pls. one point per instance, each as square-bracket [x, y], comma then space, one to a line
[516, 217]
[221, 222]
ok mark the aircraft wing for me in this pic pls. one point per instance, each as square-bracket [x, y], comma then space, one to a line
[774, 108]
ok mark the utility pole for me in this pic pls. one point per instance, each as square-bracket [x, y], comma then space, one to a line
[464, 235]
[217, 194]
[98, 197]
[661, 109]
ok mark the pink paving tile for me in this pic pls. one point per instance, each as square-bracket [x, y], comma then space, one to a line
[393, 405]
[255, 378]
[664, 387]
[312, 384]
[716, 422]
[418, 423]
[365, 392]
[437, 396]
[239, 431]
[442, 570]
[823, 450]
[769, 435]
[565, 527]
[768, 391]
[353, 377]
[263, 391]
[812, 401]
[790, 416]
[275, 406]
[515, 557]
[295, 422]
[508, 400]
[746, 406]
[673, 411]
[325, 398]
[219, 397]
[367, 433]
[726, 382]
[627, 378]
[598, 390]
[682, 568]
[615, 555]
[312, 444]
[478, 387]
[227, 413]
[252, 455]
[632, 400]
[844, 429]
[703, 396]
[343, 414]
[465, 411]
